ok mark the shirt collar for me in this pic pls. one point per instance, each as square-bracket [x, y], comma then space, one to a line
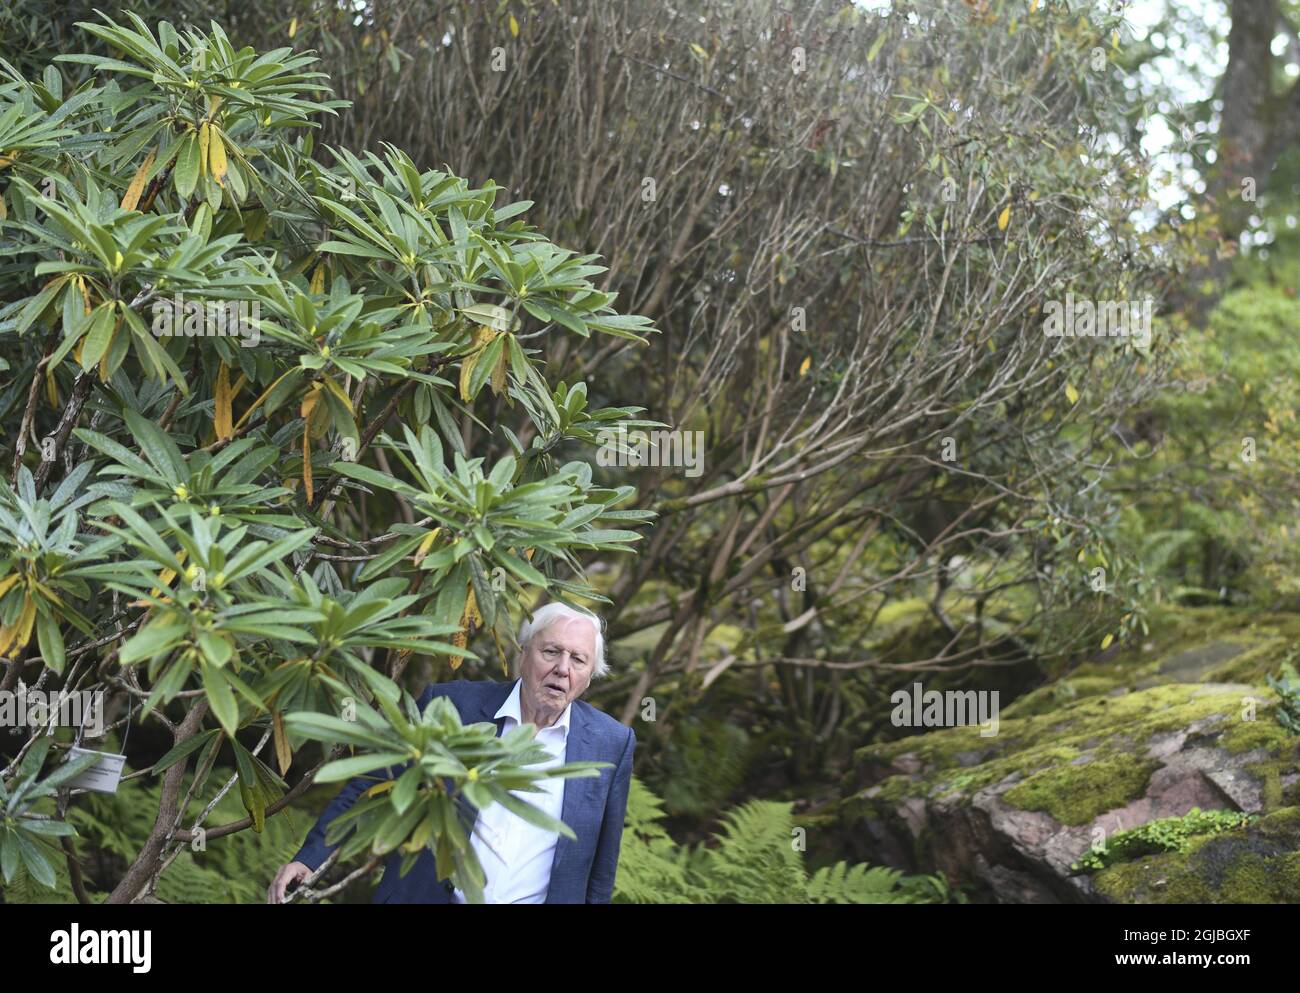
[513, 708]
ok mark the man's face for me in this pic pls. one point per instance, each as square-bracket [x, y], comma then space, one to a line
[557, 665]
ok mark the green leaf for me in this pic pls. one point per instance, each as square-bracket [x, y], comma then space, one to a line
[50, 640]
[186, 176]
[97, 339]
[158, 447]
[533, 815]
[35, 862]
[184, 749]
[376, 764]
[36, 306]
[153, 639]
[220, 698]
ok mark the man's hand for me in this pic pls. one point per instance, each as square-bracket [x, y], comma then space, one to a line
[294, 872]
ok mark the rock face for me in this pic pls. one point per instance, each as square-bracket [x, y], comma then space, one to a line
[1142, 737]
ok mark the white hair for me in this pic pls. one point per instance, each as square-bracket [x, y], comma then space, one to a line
[545, 616]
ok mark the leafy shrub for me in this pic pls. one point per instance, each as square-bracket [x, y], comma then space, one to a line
[293, 426]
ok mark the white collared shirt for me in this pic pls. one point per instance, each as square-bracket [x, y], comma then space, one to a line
[522, 873]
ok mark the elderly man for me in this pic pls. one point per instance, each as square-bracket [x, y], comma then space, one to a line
[562, 650]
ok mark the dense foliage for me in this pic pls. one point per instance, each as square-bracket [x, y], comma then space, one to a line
[847, 222]
[212, 335]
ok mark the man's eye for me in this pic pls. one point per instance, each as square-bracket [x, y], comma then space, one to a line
[549, 651]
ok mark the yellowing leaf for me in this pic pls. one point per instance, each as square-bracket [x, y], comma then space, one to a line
[1004, 218]
[499, 373]
[318, 279]
[222, 415]
[339, 392]
[482, 336]
[283, 753]
[1071, 393]
[1105, 642]
[308, 405]
[306, 462]
[309, 401]
[805, 366]
[514, 27]
[461, 638]
[426, 545]
[293, 27]
[14, 638]
[131, 198]
[217, 157]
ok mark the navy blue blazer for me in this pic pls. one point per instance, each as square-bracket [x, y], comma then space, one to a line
[583, 870]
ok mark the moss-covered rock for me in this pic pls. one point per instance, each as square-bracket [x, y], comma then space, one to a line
[1182, 720]
[1256, 864]
[1078, 793]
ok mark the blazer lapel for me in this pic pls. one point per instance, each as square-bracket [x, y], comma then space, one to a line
[490, 703]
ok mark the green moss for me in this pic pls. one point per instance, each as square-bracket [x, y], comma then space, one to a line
[1168, 834]
[975, 779]
[1247, 882]
[1255, 864]
[1173, 629]
[1027, 745]
[1075, 794]
[1050, 697]
[1246, 736]
[895, 788]
[1253, 665]
[1272, 793]
[1280, 823]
